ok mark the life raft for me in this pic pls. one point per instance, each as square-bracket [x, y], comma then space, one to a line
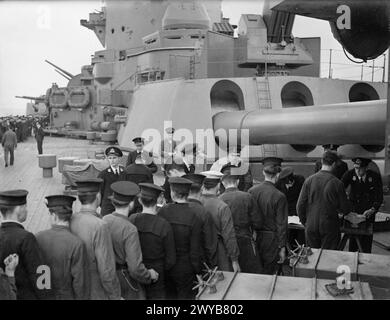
[59, 98]
[79, 92]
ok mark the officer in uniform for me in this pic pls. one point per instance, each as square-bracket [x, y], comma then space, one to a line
[9, 143]
[227, 248]
[291, 185]
[131, 272]
[272, 204]
[366, 196]
[94, 232]
[14, 239]
[39, 136]
[168, 146]
[156, 238]
[140, 153]
[113, 173]
[321, 200]
[246, 218]
[209, 231]
[187, 232]
[65, 253]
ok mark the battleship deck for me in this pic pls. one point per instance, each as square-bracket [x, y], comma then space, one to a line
[26, 174]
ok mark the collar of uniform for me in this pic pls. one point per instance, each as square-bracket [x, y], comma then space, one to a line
[6, 222]
[120, 216]
[207, 195]
[231, 189]
[194, 200]
[269, 182]
[88, 211]
[60, 227]
[326, 171]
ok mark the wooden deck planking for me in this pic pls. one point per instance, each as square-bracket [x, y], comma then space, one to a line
[26, 174]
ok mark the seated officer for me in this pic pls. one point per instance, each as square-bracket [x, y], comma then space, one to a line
[366, 196]
[130, 270]
[141, 153]
[14, 239]
[65, 253]
[115, 172]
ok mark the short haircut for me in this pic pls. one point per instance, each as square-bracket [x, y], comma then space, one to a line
[179, 193]
[230, 179]
[87, 198]
[5, 210]
[329, 158]
[195, 188]
[118, 205]
[147, 202]
[62, 215]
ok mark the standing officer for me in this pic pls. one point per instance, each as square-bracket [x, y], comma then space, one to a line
[95, 234]
[113, 173]
[156, 238]
[366, 196]
[65, 253]
[130, 270]
[14, 239]
[246, 219]
[187, 232]
[209, 231]
[9, 143]
[272, 204]
[321, 199]
[168, 146]
[39, 135]
[142, 154]
[227, 248]
[291, 185]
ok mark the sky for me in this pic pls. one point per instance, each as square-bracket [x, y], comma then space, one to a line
[32, 31]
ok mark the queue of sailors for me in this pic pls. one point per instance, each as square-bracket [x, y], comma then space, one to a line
[151, 242]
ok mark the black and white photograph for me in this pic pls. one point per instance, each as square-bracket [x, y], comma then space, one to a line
[194, 154]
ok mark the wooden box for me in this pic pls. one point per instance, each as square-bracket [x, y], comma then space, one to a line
[249, 286]
[328, 264]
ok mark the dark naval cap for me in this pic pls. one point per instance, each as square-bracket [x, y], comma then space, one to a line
[361, 162]
[13, 198]
[150, 190]
[89, 185]
[272, 165]
[138, 140]
[60, 203]
[123, 192]
[286, 172]
[180, 184]
[113, 151]
[195, 178]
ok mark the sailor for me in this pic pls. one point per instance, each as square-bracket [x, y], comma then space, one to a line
[156, 238]
[291, 185]
[172, 170]
[138, 172]
[140, 153]
[94, 232]
[341, 166]
[321, 199]
[246, 218]
[64, 252]
[14, 239]
[227, 248]
[115, 172]
[272, 238]
[7, 278]
[168, 146]
[131, 272]
[366, 196]
[39, 135]
[9, 143]
[187, 232]
[209, 230]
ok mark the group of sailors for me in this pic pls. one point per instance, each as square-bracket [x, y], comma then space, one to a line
[152, 242]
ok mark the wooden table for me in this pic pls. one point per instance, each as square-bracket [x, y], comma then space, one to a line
[249, 286]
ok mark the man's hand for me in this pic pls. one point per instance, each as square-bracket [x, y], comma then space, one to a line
[153, 275]
[368, 213]
[236, 266]
[11, 263]
[282, 255]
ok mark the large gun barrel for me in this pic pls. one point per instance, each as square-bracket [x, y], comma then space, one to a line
[345, 123]
[31, 98]
[62, 70]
